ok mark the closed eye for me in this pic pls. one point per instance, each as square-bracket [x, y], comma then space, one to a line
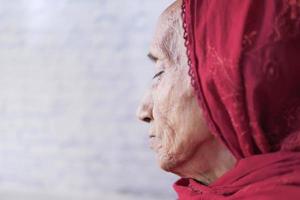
[158, 74]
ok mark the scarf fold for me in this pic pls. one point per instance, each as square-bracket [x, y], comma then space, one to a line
[244, 59]
[268, 176]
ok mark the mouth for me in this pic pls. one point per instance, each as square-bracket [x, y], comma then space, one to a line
[151, 136]
[152, 142]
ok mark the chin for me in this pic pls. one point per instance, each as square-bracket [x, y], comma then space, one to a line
[170, 162]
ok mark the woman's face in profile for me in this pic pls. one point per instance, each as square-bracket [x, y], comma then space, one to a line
[177, 128]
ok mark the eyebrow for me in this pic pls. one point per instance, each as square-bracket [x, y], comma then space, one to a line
[152, 57]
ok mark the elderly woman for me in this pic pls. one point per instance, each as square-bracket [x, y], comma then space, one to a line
[224, 105]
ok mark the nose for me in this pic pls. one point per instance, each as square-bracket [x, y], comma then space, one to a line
[144, 111]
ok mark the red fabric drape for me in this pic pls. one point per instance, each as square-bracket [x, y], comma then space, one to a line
[244, 58]
[273, 176]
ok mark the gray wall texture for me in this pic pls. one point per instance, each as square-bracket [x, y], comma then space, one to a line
[72, 73]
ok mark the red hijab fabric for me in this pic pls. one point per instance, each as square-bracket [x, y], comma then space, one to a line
[244, 58]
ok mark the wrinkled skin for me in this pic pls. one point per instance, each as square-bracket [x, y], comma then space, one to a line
[178, 132]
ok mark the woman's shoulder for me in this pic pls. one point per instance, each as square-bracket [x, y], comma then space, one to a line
[270, 192]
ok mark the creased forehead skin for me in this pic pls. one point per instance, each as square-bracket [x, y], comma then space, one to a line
[168, 41]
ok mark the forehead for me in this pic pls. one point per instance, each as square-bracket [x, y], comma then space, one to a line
[167, 26]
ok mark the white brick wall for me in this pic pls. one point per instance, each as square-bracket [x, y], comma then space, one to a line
[71, 75]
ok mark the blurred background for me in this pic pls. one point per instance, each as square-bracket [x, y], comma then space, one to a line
[71, 75]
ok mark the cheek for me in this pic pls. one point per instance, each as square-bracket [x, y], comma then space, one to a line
[163, 99]
[188, 122]
[164, 130]
[171, 99]
[192, 124]
[176, 111]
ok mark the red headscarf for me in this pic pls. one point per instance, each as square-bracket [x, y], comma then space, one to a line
[244, 58]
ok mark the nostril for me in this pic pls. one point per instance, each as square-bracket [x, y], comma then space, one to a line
[144, 114]
[146, 119]
[144, 111]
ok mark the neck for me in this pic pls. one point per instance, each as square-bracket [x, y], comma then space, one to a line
[208, 163]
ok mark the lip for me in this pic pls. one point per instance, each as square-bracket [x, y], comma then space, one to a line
[152, 142]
